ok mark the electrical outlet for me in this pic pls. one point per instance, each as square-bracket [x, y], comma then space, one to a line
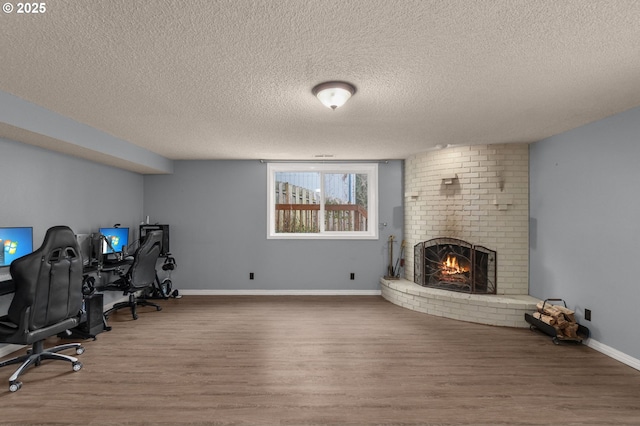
[352, 276]
[587, 314]
[250, 275]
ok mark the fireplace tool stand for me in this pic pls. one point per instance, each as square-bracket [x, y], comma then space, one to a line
[391, 273]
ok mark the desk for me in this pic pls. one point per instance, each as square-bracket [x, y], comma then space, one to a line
[116, 264]
[8, 286]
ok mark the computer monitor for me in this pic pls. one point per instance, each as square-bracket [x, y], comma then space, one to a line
[114, 239]
[15, 242]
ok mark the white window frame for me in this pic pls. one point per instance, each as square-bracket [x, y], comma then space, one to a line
[371, 169]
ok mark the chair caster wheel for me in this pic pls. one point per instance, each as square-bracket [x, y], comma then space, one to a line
[77, 366]
[79, 350]
[15, 386]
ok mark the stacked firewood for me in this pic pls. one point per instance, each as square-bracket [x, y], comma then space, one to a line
[558, 317]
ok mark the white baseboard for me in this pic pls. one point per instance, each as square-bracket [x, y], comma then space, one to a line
[614, 353]
[280, 292]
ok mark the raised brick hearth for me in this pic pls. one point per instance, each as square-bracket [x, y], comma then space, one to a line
[505, 311]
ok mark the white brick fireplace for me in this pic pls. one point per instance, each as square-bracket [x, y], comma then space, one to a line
[479, 194]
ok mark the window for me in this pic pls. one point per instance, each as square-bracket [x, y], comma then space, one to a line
[320, 200]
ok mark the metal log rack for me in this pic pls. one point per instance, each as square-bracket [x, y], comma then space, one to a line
[536, 324]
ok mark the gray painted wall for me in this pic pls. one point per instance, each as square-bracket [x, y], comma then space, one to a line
[585, 232]
[41, 189]
[217, 214]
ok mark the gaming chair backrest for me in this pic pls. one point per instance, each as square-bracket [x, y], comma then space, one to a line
[143, 269]
[48, 281]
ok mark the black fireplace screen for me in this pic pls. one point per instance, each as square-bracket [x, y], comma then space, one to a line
[456, 265]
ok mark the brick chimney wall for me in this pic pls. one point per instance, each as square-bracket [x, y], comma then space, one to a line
[476, 193]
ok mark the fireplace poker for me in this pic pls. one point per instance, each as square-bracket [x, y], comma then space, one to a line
[390, 271]
[400, 261]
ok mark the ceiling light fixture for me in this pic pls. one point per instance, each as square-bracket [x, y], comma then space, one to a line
[334, 94]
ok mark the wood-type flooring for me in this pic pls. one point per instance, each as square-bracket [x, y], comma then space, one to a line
[293, 360]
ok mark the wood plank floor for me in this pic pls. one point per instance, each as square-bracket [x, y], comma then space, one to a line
[321, 360]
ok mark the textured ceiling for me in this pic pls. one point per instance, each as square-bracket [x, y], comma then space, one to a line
[232, 79]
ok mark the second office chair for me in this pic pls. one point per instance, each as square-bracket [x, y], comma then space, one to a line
[140, 275]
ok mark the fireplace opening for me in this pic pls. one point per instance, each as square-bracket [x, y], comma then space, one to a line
[455, 265]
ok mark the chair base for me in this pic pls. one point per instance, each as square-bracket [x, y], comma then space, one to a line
[36, 355]
[132, 303]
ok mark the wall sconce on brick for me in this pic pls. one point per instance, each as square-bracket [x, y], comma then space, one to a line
[412, 195]
[449, 180]
[502, 202]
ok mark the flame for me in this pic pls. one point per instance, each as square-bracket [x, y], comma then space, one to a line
[450, 266]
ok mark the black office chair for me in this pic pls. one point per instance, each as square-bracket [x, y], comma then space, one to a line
[140, 276]
[47, 301]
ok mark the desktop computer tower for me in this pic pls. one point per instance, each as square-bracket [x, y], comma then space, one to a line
[94, 307]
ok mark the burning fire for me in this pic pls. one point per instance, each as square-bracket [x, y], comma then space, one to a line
[451, 267]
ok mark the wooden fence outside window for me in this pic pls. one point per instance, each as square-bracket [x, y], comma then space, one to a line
[304, 218]
[298, 211]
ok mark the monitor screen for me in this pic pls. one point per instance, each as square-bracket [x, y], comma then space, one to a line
[15, 243]
[114, 239]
